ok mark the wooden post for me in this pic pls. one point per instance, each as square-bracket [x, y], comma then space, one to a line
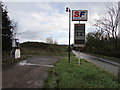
[79, 59]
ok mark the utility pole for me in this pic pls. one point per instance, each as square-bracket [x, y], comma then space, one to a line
[69, 50]
[116, 24]
[119, 37]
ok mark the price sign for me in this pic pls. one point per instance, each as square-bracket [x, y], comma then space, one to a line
[79, 35]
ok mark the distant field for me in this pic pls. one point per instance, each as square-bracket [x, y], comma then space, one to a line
[85, 75]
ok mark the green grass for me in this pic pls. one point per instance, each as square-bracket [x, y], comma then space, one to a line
[72, 75]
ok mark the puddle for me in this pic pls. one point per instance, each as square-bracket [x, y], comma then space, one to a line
[23, 63]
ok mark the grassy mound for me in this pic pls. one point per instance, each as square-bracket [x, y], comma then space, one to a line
[36, 48]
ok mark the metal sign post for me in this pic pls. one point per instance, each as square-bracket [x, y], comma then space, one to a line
[69, 50]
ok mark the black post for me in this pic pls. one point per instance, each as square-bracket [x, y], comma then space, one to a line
[68, 10]
[69, 35]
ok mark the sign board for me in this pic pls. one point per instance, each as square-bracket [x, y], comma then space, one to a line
[79, 35]
[79, 15]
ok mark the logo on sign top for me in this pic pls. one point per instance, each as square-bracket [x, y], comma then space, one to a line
[79, 15]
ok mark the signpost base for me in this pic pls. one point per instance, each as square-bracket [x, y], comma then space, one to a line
[78, 61]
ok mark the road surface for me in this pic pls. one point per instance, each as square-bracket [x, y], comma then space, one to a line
[30, 73]
[109, 66]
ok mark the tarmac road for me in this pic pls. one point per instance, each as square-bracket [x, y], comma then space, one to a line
[30, 73]
[107, 65]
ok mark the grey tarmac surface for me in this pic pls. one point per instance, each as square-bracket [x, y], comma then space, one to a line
[107, 65]
[30, 73]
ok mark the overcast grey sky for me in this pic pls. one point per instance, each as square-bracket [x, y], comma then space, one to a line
[39, 20]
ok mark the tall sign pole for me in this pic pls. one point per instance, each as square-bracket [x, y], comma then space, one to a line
[69, 50]
[119, 16]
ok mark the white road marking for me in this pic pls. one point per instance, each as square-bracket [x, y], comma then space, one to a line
[22, 63]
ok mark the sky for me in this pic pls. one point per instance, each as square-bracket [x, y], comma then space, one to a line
[40, 20]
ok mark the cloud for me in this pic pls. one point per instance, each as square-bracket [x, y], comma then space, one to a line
[42, 20]
[33, 25]
[44, 6]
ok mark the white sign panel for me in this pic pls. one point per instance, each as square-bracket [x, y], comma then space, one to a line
[79, 15]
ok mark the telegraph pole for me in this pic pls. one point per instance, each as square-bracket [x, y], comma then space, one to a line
[69, 50]
[118, 34]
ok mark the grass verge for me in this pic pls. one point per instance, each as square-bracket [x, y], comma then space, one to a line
[85, 75]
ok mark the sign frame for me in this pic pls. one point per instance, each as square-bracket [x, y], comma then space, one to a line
[80, 19]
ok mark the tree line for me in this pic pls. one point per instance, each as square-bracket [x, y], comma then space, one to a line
[102, 45]
[106, 40]
[7, 26]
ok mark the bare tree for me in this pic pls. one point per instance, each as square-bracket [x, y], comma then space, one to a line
[55, 42]
[49, 40]
[108, 22]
